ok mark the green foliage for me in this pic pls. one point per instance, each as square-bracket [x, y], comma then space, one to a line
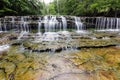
[52, 9]
[89, 7]
[20, 7]
[62, 7]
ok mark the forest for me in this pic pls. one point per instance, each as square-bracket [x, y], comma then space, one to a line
[109, 8]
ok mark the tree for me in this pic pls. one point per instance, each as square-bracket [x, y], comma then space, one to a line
[20, 7]
[88, 7]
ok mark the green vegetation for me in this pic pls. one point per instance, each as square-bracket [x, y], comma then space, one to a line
[62, 7]
[20, 7]
[88, 7]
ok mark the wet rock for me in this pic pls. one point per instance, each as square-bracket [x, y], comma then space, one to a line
[26, 63]
[2, 75]
[12, 38]
[15, 57]
[16, 43]
[8, 66]
[25, 74]
[54, 66]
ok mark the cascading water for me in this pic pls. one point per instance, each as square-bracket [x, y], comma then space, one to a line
[0, 26]
[4, 24]
[21, 24]
[39, 25]
[78, 23]
[24, 28]
[13, 21]
[57, 23]
[52, 23]
[46, 21]
[107, 24]
[118, 23]
[50, 36]
[24, 25]
[64, 23]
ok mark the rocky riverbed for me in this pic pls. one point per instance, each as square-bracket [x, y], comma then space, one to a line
[97, 58]
[87, 64]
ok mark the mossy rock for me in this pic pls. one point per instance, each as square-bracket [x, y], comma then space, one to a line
[103, 75]
[15, 57]
[25, 63]
[25, 74]
[2, 75]
[8, 66]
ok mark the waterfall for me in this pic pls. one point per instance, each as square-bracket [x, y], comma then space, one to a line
[46, 21]
[78, 23]
[4, 25]
[118, 23]
[60, 25]
[39, 25]
[52, 23]
[24, 25]
[21, 24]
[13, 21]
[64, 23]
[0, 26]
[107, 24]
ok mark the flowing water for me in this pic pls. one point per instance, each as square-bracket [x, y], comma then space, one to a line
[78, 23]
[64, 23]
[81, 57]
[0, 27]
[39, 25]
[108, 24]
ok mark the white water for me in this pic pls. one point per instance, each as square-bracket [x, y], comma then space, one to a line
[52, 23]
[13, 22]
[4, 47]
[64, 23]
[59, 23]
[24, 25]
[46, 21]
[65, 34]
[0, 27]
[39, 25]
[50, 36]
[118, 23]
[78, 23]
[4, 24]
[108, 24]
[22, 34]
